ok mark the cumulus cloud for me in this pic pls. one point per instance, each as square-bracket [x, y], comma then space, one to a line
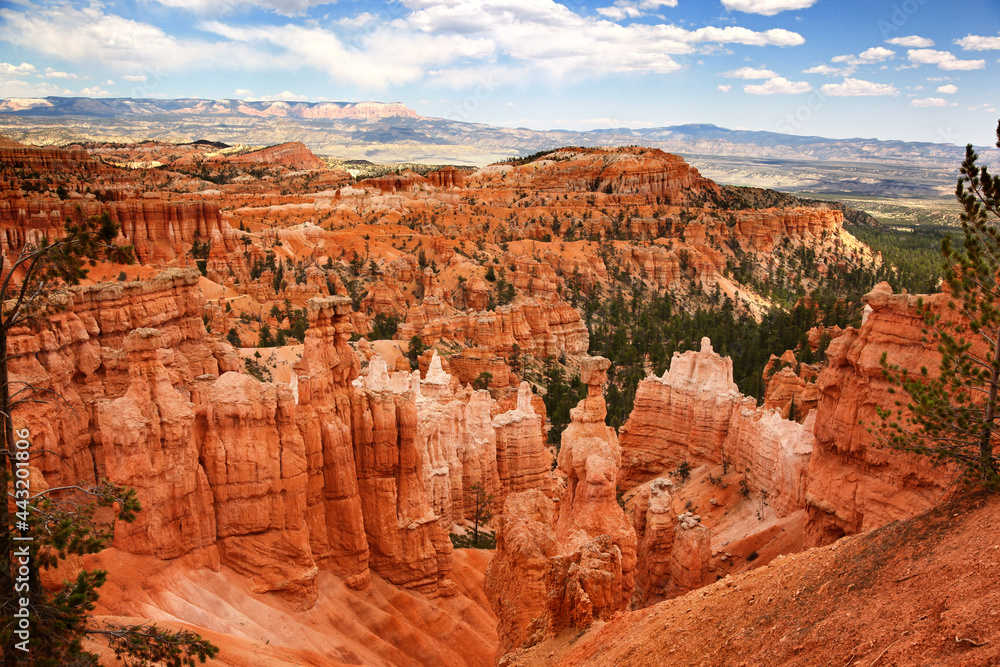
[873, 55]
[948, 89]
[912, 41]
[284, 7]
[943, 59]
[979, 43]
[929, 102]
[51, 73]
[767, 7]
[94, 91]
[623, 9]
[134, 77]
[724, 88]
[779, 85]
[750, 73]
[283, 96]
[827, 70]
[858, 88]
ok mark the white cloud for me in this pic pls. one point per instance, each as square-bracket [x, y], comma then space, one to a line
[88, 34]
[94, 91]
[779, 85]
[929, 102]
[982, 107]
[873, 55]
[283, 96]
[948, 89]
[243, 92]
[623, 9]
[978, 43]
[876, 54]
[24, 69]
[827, 70]
[724, 88]
[452, 42]
[912, 41]
[858, 88]
[284, 7]
[750, 73]
[943, 59]
[767, 7]
[134, 77]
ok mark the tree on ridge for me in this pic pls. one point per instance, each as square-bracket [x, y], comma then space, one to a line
[953, 417]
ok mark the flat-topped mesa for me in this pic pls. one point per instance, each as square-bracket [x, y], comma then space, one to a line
[292, 154]
[762, 230]
[854, 484]
[629, 174]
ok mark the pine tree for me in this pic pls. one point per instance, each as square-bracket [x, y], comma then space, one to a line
[953, 418]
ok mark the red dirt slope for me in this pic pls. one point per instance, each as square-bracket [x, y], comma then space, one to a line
[919, 592]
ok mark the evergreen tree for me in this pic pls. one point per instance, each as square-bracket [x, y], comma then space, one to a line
[952, 418]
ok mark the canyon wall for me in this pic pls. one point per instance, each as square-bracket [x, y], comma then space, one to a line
[280, 481]
[854, 484]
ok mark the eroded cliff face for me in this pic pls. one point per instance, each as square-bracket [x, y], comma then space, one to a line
[854, 484]
[280, 482]
[695, 413]
[566, 567]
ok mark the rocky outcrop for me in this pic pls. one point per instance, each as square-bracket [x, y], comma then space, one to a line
[523, 460]
[854, 484]
[456, 442]
[790, 386]
[695, 413]
[566, 568]
[292, 154]
[280, 479]
[683, 415]
[542, 329]
[762, 230]
[408, 544]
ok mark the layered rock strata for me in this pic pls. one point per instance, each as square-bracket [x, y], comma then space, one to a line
[695, 413]
[854, 484]
[280, 480]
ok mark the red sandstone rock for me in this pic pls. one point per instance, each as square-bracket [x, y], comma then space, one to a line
[854, 485]
[551, 572]
[695, 413]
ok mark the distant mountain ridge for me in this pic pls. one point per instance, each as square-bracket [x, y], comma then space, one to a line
[127, 106]
[392, 132]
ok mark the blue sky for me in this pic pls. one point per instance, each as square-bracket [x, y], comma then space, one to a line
[921, 70]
